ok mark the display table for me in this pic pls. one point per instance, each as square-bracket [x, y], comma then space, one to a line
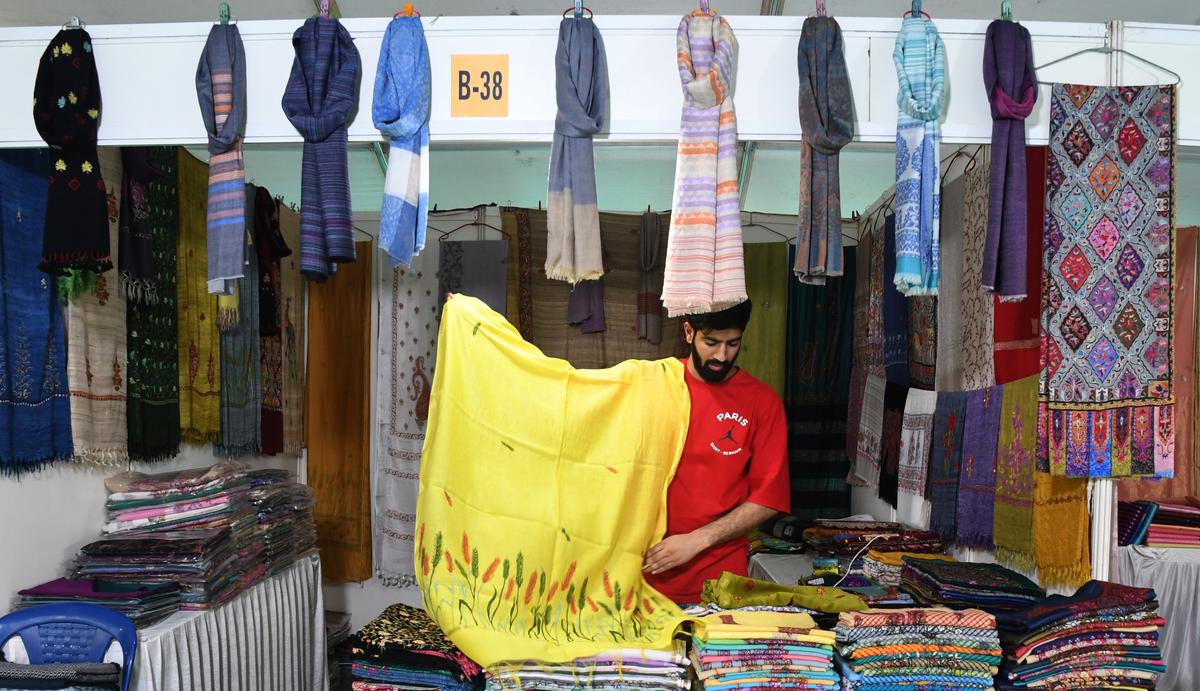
[1175, 576]
[786, 569]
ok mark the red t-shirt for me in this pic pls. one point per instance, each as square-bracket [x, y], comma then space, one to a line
[736, 451]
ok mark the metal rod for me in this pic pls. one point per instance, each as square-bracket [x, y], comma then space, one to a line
[745, 170]
[378, 149]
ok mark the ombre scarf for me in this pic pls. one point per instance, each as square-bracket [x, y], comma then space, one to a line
[581, 88]
[400, 110]
[977, 473]
[241, 364]
[1011, 84]
[221, 89]
[920, 59]
[199, 345]
[319, 100]
[1016, 451]
[704, 267]
[827, 124]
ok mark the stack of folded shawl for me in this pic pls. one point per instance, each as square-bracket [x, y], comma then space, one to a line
[848, 537]
[645, 670]
[989, 587]
[757, 650]
[929, 649]
[1159, 524]
[285, 517]
[143, 604]
[403, 648]
[884, 567]
[1103, 636]
[1133, 521]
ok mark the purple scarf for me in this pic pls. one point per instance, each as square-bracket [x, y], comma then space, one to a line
[1011, 85]
[944, 461]
[977, 477]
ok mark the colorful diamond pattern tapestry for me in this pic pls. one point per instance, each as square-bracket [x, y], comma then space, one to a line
[1109, 265]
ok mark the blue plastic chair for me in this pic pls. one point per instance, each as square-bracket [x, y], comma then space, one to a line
[72, 633]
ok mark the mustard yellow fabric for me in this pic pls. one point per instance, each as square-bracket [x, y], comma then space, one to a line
[739, 626]
[897, 558]
[541, 488]
[731, 591]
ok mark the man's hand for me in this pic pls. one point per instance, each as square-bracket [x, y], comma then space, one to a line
[673, 552]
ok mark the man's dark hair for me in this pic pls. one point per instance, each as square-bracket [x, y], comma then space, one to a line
[736, 317]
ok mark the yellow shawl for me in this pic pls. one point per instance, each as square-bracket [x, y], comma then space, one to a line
[541, 488]
[199, 344]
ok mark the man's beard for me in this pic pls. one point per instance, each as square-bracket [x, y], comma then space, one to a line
[711, 375]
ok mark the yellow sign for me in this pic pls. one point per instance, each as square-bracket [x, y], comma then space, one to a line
[479, 86]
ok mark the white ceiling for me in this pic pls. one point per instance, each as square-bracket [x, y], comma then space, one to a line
[46, 12]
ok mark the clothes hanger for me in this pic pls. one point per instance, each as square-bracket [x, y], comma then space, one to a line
[74, 23]
[820, 8]
[769, 229]
[916, 11]
[705, 9]
[1006, 10]
[479, 224]
[578, 9]
[223, 16]
[1106, 50]
[407, 11]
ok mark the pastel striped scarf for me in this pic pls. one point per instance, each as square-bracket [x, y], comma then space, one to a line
[704, 267]
[400, 110]
[221, 89]
[920, 59]
[573, 221]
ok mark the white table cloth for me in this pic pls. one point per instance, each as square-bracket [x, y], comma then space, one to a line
[1175, 576]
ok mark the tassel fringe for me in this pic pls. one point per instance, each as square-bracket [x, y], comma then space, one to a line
[102, 458]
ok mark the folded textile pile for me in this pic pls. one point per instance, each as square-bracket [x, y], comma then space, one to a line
[143, 604]
[848, 537]
[733, 592]
[337, 630]
[756, 650]
[882, 596]
[403, 648]
[884, 567]
[989, 587]
[1133, 521]
[933, 649]
[1103, 636]
[1175, 525]
[83, 676]
[285, 517]
[645, 670]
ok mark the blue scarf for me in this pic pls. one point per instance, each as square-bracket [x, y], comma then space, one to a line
[35, 415]
[401, 111]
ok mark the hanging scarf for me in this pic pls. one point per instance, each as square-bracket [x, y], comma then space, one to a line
[291, 318]
[199, 346]
[916, 439]
[1016, 448]
[319, 100]
[922, 341]
[271, 248]
[585, 307]
[221, 89]
[895, 397]
[877, 280]
[400, 111]
[977, 474]
[35, 415]
[649, 306]
[135, 255]
[764, 352]
[241, 364]
[96, 354]
[857, 394]
[1011, 84]
[581, 88]
[66, 111]
[704, 270]
[920, 59]
[827, 124]
[478, 268]
[944, 462]
[894, 314]
[865, 470]
[1016, 325]
[1062, 531]
[152, 326]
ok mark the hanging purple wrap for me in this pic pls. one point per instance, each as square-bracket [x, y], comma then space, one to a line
[977, 474]
[1011, 85]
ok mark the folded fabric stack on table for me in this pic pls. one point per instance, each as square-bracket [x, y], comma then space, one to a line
[143, 604]
[285, 517]
[645, 670]
[403, 648]
[989, 587]
[758, 650]
[1133, 521]
[883, 596]
[1159, 524]
[733, 592]
[934, 649]
[1103, 636]
[848, 537]
[884, 567]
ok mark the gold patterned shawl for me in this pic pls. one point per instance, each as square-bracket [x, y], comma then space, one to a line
[199, 343]
[291, 316]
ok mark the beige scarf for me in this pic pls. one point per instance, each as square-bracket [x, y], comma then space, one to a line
[291, 316]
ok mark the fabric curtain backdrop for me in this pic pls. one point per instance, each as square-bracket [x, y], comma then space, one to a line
[321, 95]
[922, 341]
[241, 362]
[894, 310]
[66, 112]
[869, 452]
[826, 125]
[151, 205]
[271, 249]
[965, 360]
[292, 335]
[1011, 84]
[408, 306]
[557, 552]
[764, 343]
[135, 249]
[35, 408]
[895, 397]
[1016, 325]
[977, 475]
[920, 59]
[1109, 262]
[199, 345]
[337, 409]
[400, 110]
[916, 441]
[221, 90]
[1061, 531]
[945, 461]
[1186, 481]
[650, 261]
[585, 307]
[1013, 523]
[478, 268]
[704, 267]
[581, 91]
[97, 373]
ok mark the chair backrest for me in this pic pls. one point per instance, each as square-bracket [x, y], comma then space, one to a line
[68, 633]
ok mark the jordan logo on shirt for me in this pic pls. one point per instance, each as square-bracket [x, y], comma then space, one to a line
[728, 444]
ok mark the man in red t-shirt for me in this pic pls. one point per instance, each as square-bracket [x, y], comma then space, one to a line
[733, 474]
